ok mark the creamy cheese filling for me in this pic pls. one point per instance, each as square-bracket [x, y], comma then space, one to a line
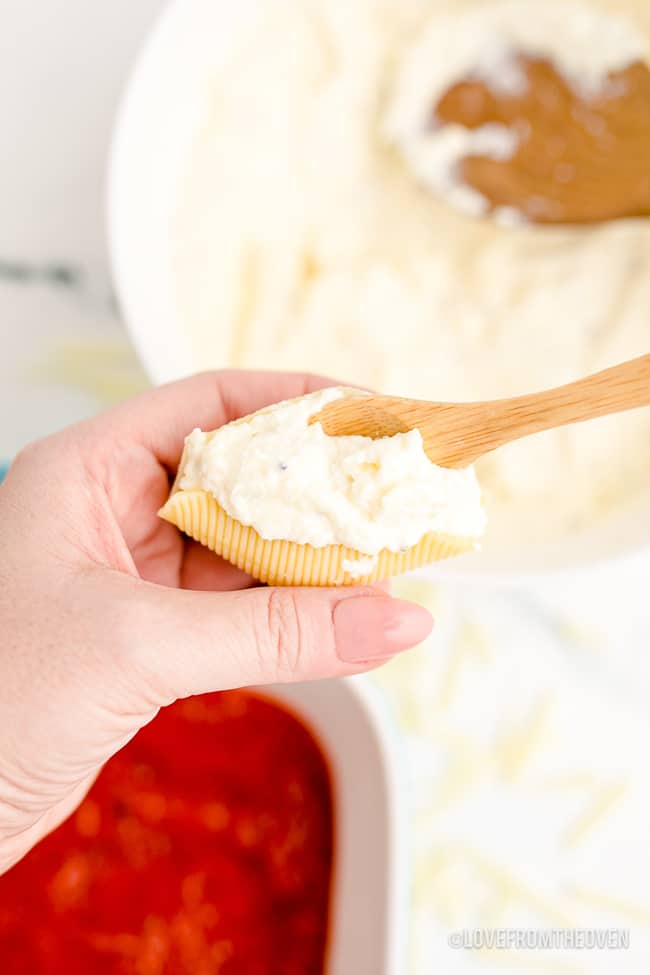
[287, 479]
[305, 241]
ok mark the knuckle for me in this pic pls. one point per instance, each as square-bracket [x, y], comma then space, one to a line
[53, 462]
[284, 629]
[30, 456]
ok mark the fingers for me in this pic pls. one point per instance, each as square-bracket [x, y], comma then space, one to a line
[161, 418]
[205, 571]
[184, 643]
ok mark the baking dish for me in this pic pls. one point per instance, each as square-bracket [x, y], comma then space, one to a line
[370, 879]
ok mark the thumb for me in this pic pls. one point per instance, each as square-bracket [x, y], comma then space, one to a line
[184, 642]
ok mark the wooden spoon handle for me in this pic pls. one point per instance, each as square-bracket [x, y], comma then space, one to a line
[619, 388]
[457, 434]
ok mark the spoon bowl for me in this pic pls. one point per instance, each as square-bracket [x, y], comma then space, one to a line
[457, 434]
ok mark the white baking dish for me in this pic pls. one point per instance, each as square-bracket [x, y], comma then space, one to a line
[368, 912]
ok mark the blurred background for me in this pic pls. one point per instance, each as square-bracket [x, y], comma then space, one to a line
[63, 65]
[525, 719]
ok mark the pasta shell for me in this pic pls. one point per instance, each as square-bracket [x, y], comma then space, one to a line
[284, 563]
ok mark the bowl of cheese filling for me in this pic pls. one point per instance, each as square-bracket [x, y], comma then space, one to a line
[432, 199]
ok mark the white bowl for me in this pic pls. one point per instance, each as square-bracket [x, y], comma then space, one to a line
[155, 131]
[368, 913]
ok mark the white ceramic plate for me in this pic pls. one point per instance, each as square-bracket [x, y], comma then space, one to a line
[155, 131]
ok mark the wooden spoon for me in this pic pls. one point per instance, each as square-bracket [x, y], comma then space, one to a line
[457, 434]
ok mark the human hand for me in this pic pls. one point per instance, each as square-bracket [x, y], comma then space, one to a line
[108, 613]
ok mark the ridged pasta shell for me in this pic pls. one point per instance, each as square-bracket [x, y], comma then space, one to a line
[284, 563]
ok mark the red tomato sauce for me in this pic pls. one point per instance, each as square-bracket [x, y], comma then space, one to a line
[203, 848]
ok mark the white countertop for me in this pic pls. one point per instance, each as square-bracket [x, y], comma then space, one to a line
[525, 717]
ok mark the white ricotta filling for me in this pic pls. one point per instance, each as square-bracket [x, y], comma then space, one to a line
[351, 269]
[287, 479]
[359, 567]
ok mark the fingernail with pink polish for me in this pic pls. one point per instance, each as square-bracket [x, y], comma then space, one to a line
[372, 627]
